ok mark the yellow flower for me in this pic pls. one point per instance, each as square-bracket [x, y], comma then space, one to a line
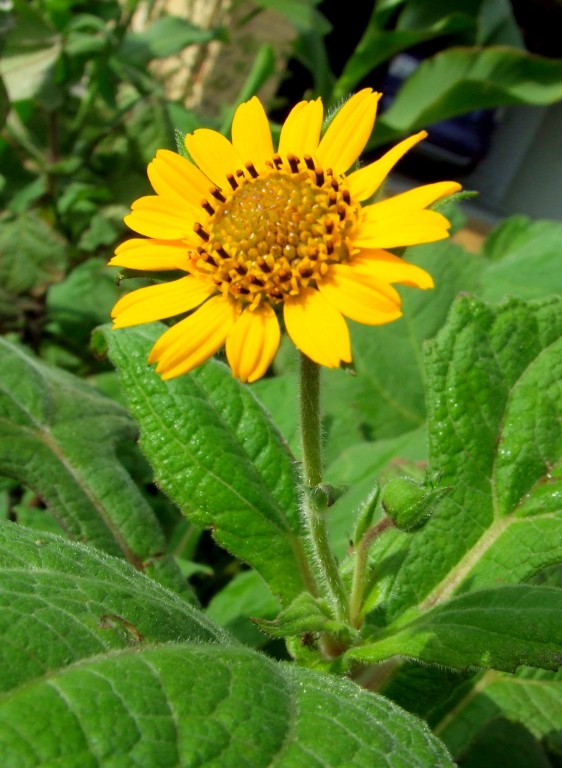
[260, 234]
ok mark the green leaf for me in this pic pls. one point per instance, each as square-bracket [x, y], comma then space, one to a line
[458, 80]
[99, 665]
[503, 741]
[302, 14]
[358, 469]
[62, 602]
[278, 394]
[495, 398]
[58, 437]
[531, 698]
[30, 53]
[32, 254]
[246, 596]
[262, 70]
[370, 405]
[378, 45]
[218, 457]
[525, 258]
[4, 105]
[82, 301]
[497, 628]
[167, 36]
[305, 614]
[188, 705]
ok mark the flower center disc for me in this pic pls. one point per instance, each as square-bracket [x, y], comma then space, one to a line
[276, 233]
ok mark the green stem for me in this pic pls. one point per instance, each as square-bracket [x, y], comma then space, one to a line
[313, 502]
[360, 569]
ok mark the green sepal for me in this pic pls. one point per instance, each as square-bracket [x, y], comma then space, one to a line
[366, 513]
[179, 136]
[304, 615]
[325, 495]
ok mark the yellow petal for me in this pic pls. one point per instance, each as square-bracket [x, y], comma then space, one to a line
[156, 302]
[149, 255]
[348, 132]
[385, 266]
[399, 231]
[251, 134]
[317, 328]
[193, 340]
[175, 178]
[360, 297]
[300, 132]
[365, 182]
[161, 218]
[214, 154]
[419, 197]
[252, 343]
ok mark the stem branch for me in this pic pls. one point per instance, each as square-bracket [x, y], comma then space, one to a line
[360, 569]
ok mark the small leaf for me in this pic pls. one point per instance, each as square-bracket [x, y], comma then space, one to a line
[304, 614]
[31, 51]
[76, 305]
[32, 254]
[167, 36]
[498, 628]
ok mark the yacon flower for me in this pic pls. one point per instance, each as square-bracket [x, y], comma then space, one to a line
[260, 233]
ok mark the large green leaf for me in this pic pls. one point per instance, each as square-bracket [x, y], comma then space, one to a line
[531, 698]
[497, 628]
[102, 667]
[218, 457]
[62, 602]
[495, 398]
[58, 437]
[458, 80]
[192, 705]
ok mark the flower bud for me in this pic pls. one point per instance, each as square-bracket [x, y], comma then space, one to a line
[409, 504]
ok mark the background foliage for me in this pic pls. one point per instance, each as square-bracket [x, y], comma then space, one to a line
[124, 624]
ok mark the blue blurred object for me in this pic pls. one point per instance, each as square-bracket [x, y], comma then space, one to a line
[458, 143]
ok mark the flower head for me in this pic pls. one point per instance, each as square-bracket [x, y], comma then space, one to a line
[260, 233]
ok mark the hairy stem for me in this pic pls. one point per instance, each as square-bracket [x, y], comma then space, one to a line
[360, 569]
[313, 502]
